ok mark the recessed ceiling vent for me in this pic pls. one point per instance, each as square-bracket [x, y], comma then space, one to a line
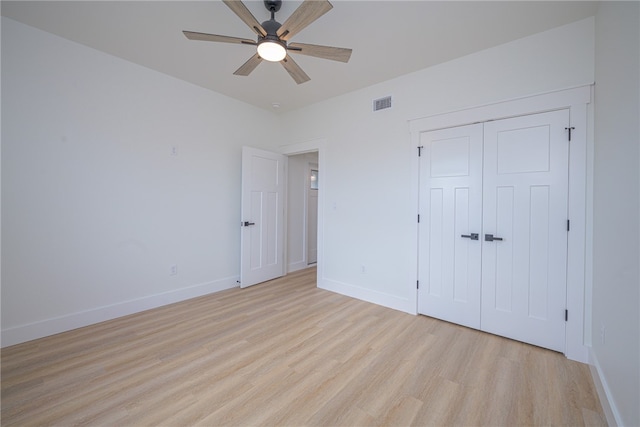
[382, 103]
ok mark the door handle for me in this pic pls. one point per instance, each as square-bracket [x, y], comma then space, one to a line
[247, 223]
[490, 238]
[472, 236]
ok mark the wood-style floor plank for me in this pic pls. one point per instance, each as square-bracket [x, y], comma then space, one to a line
[285, 353]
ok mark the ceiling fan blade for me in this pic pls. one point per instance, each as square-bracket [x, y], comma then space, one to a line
[305, 14]
[326, 52]
[294, 70]
[192, 35]
[247, 17]
[249, 66]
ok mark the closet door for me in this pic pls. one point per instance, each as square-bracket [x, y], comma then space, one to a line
[524, 256]
[450, 224]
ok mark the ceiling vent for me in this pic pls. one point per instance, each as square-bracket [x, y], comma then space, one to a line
[382, 103]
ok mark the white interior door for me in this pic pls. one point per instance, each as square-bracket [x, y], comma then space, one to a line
[450, 223]
[262, 237]
[525, 205]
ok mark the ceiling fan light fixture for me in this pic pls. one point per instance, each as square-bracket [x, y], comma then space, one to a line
[271, 51]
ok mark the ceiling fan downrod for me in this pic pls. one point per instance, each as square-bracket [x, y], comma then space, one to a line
[273, 6]
[271, 26]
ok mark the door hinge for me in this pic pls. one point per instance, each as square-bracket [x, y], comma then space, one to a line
[568, 225]
[569, 129]
[420, 150]
[418, 218]
[417, 284]
[566, 315]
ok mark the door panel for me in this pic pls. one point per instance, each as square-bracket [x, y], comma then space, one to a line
[538, 258]
[461, 262]
[262, 241]
[525, 204]
[503, 214]
[451, 191]
[523, 150]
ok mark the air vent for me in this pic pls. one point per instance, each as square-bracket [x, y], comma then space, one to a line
[382, 103]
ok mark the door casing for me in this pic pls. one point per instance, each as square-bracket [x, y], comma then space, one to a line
[316, 145]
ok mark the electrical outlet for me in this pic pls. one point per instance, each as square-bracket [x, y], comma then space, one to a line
[363, 270]
[173, 270]
[603, 332]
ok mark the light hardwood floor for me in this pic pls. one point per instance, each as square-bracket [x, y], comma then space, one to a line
[285, 353]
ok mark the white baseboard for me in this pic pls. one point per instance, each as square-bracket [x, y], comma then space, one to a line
[295, 266]
[380, 298]
[56, 325]
[608, 405]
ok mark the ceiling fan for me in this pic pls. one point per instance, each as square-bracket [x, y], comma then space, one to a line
[273, 37]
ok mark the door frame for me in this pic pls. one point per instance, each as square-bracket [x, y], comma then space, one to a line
[319, 146]
[576, 100]
[308, 191]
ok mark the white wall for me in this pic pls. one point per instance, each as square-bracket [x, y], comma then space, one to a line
[616, 239]
[369, 219]
[95, 208]
[298, 182]
[0, 179]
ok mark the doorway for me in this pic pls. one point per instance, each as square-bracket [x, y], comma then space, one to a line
[302, 210]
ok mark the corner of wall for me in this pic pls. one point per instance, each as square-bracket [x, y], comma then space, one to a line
[604, 394]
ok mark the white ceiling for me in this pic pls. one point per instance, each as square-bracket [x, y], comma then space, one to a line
[388, 38]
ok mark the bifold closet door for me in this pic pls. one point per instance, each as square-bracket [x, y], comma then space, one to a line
[525, 202]
[450, 223]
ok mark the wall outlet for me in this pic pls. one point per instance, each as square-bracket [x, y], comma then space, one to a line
[173, 270]
[603, 332]
[363, 270]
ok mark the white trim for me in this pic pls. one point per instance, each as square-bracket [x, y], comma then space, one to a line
[56, 325]
[576, 246]
[576, 100]
[307, 194]
[304, 147]
[368, 295]
[604, 393]
[504, 109]
[588, 286]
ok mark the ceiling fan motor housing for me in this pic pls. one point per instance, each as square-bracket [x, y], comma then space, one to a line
[271, 27]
